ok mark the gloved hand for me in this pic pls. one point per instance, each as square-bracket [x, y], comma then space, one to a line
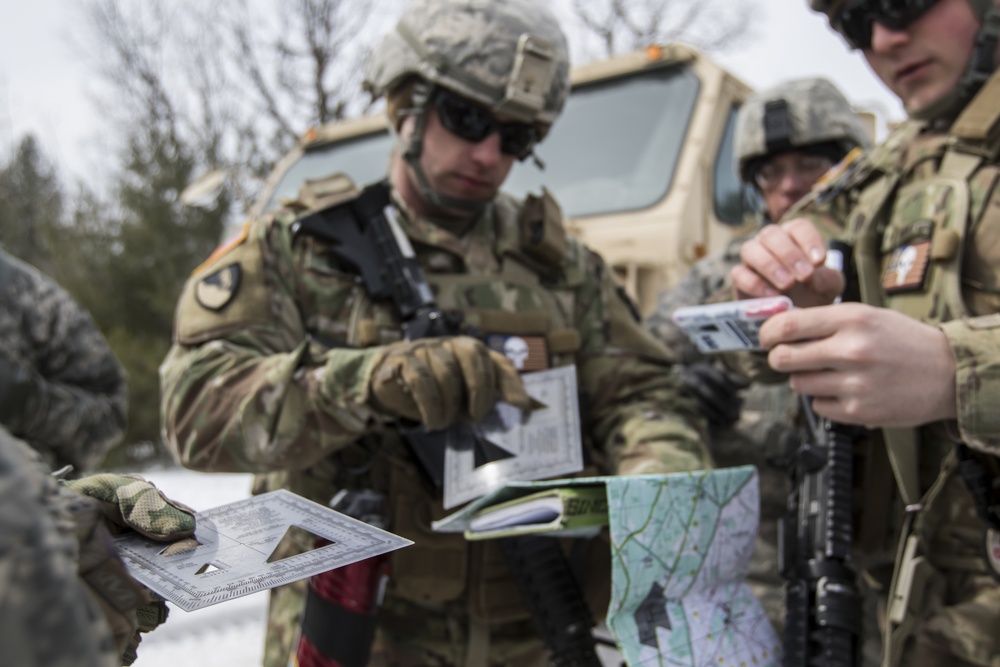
[437, 381]
[715, 390]
[119, 503]
[132, 503]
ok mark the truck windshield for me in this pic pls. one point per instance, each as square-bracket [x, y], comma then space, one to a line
[613, 149]
[616, 145]
[365, 159]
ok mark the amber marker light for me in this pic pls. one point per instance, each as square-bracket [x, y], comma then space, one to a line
[654, 52]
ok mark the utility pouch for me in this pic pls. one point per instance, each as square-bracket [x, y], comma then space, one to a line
[434, 569]
[543, 237]
[981, 474]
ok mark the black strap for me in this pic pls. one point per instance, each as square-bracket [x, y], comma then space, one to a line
[337, 633]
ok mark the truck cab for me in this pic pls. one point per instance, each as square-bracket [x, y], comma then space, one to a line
[641, 161]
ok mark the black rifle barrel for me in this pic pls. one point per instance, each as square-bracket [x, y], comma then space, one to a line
[823, 604]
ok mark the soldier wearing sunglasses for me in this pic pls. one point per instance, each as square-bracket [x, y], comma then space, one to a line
[918, 360]
[284, 363]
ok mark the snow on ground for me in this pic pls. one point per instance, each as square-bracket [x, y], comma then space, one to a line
[230, 634]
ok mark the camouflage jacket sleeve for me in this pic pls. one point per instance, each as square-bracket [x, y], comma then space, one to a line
[70, 391]
[242, 389]
[703, 280]
[975, 342]
[634, 410]
[47, 616]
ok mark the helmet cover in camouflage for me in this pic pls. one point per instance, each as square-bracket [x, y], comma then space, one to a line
[509, 55]
[809, 111]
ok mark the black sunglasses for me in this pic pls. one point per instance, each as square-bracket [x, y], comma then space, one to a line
[472, 122]
[855, 20]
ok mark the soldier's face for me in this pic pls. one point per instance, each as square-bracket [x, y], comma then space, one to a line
[784, 178]
[925, 60]
[456, 167]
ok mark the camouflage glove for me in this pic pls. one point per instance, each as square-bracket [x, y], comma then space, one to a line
[715, 390]
[437, 381]
[133, 503]
[126, 503]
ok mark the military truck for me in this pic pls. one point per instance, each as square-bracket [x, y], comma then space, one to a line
[640, 160]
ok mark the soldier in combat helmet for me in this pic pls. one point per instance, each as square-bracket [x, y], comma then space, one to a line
[787, 137]
[294, 369]
[917, 359]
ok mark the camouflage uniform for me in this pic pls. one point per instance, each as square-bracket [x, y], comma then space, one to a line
[61, 389]
[253, 389]
[65, 597]
[278, 376]
[932, 186]
[764, 436]
[47, 616]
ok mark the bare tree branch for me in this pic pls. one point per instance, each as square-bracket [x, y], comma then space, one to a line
[625, 25]
[239, 81]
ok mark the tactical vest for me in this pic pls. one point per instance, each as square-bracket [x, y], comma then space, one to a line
[926, 246]
[514, 279]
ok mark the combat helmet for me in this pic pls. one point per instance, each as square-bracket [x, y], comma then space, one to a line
[807, 114]
[978, 70]
[509, 56]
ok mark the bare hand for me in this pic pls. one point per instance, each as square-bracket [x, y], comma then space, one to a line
[864, 365]
[787, 258]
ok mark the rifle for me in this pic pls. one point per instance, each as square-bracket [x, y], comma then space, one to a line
[366, 235]
[823, 603]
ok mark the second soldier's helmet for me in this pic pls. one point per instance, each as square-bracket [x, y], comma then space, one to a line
[510, 55]
[804, 114]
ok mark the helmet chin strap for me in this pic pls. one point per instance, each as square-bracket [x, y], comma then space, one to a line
[413, 147]
[944, 110]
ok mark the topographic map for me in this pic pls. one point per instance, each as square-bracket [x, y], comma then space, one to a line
[681, 545]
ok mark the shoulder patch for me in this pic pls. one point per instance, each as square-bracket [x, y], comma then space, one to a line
[224, 248]
[224, 294]
[217, 289]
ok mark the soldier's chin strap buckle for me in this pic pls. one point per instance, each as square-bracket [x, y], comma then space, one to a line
[530, 78]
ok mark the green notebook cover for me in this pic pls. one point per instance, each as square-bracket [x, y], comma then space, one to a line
[562, 509]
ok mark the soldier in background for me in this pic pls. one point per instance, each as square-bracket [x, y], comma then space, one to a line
[66, 599]
[61, 389]
[919, 358]
[299, 371]
[787, 137]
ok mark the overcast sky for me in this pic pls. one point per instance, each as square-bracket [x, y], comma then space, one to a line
[46, 83]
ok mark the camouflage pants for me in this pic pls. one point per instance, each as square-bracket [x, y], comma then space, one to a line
[413, 635]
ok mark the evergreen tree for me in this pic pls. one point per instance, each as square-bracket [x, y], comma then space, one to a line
[158, 243]
[31, 206]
